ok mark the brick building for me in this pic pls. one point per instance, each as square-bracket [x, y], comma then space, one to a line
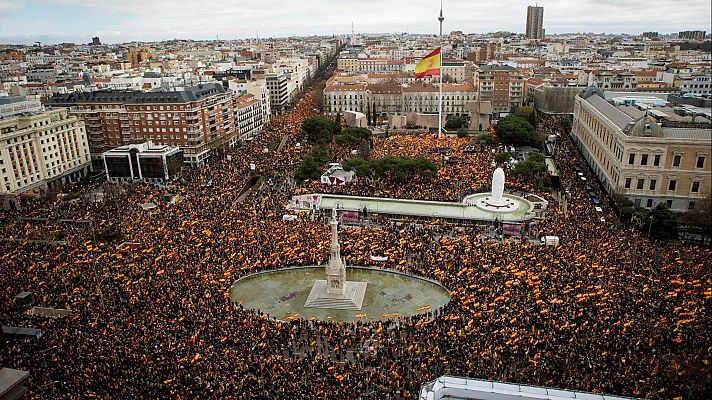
[200, 120]
[502, 86]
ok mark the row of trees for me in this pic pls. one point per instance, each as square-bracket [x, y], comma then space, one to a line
[398, 168]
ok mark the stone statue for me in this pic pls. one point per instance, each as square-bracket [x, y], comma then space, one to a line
[497, 199]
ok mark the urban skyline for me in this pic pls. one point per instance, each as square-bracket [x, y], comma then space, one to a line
[131, 20]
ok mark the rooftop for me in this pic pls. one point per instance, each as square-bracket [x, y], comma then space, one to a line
[193, 93]
[632, 119]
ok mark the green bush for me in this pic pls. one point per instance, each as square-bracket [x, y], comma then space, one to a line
[455, 122]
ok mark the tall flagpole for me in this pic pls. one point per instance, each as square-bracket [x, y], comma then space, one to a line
[440, 108]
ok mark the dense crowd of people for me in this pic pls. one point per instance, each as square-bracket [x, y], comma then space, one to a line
[606, 311]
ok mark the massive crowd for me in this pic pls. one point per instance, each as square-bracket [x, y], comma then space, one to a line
[607, 311]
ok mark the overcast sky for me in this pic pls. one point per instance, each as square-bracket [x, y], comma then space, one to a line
[52, 21]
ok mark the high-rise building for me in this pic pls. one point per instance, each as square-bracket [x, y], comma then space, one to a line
[535, 22]
[692, 35]
[95, 41]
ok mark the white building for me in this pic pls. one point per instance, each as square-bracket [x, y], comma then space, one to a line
[278, 85]
[248, 117]
[39, 151]
[696, 84]
[257, 88]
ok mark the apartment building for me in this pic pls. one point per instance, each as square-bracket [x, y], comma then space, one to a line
[502, 86]
[373, 64]
[248, 117]
[279, 87]
[200, 119]
[699, 84]
[644, 157]
[535, 23]
[39, 151]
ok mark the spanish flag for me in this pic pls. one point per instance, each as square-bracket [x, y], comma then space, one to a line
[429, 65]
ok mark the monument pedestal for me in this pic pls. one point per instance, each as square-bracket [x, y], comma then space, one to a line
[351, 299]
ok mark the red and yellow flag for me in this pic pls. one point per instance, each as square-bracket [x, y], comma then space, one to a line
[429, 65]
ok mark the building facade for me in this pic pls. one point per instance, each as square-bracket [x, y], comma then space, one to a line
[200, 119]
[535, 23]
[41, 151]
[502, 86]
[143, 161]
[278, 85]
[392, 98]
[641, 158]
[699, 84]
[248, 118]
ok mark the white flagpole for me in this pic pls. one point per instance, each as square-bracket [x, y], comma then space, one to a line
[440, 108]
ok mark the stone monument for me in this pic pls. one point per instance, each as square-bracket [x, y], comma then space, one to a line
[336, 292]
[496, 200]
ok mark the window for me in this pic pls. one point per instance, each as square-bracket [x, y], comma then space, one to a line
[691, 206]
[695, 187]
[652, 184]
[672, 185]
[700, 162]
[640, 183]
[669, 203]
[631, 159]
[649, 203]
[644, 159]
[676, 161]
[627, 183]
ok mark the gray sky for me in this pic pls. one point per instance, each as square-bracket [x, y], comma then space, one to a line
[51, 21]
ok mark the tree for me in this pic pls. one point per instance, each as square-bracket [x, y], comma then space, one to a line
[320, 130]
[109, 233]
[308, 169]
[516, 131]
[364, 150]
[699, 219]
[503, 157]
[353, 136]
[455, 122]
[337, 119]
[484, 138]
[312, 164]
[463, 132]
[534, 167]
[661, 222]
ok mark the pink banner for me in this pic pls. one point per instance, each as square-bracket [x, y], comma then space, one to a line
[512, 229]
